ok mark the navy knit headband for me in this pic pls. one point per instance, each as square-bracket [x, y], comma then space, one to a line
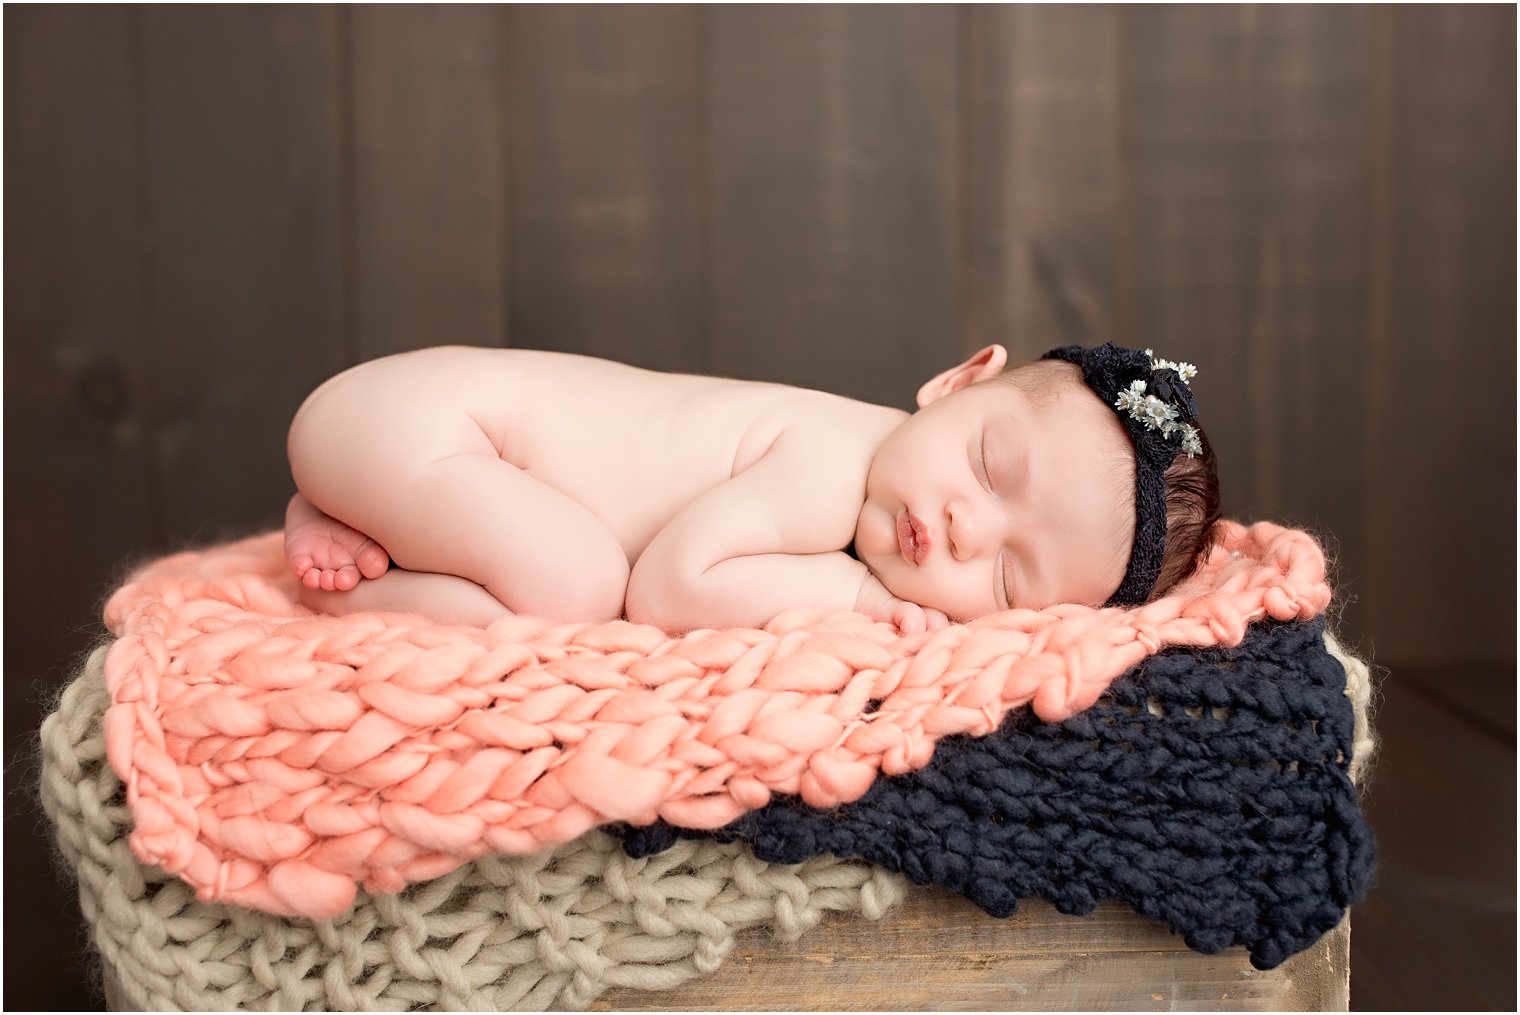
[1158, 411]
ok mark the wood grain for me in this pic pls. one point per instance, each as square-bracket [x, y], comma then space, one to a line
[1189, 239]
[80, 499]
[427, 177]
[608, 182]
[939, 952]
[1307, 308]
[1042, 177]
[245, 300]
[1438, 586]
[834, 188]
[75, 263]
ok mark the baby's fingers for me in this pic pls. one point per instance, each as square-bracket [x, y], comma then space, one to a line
[909, 618]
[935, 620]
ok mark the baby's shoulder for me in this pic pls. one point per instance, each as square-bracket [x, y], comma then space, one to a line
[817, 415]
[818, 432]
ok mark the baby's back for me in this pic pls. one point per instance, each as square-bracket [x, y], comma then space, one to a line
[633, 446]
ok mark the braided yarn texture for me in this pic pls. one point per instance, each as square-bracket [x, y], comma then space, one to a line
[276, 758]
[1209, 789]
[550, 931]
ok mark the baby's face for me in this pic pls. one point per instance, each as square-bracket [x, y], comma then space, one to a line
[987, 499]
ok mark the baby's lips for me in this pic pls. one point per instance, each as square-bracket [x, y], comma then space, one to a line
[913, 538]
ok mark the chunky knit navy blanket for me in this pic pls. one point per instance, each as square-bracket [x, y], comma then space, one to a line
[1207, 788]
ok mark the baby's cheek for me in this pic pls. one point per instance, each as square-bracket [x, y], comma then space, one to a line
[875, 534]
[973, 598]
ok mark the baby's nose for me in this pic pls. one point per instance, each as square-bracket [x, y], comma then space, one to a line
[965, 530]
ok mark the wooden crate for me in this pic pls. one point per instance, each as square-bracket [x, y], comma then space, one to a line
[939, 951]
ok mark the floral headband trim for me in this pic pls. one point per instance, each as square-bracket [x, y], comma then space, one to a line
[1157, 407]
[1159, 415]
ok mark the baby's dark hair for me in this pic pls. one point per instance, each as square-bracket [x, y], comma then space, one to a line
[1192, 484]
[1192, 516]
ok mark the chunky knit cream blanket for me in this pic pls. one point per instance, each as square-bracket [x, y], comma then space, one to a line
[547, 931]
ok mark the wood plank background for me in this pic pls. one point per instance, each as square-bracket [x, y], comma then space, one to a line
[212, 209]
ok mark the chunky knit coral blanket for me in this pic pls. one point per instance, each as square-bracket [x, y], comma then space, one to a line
[276, 759]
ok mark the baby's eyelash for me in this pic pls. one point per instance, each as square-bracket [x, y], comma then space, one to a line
[1000, 570]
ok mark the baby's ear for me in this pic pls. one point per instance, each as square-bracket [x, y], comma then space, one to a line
[988, 362]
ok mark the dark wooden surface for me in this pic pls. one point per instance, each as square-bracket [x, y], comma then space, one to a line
[212, 209]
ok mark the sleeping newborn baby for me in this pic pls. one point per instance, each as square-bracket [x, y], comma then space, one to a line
[469, 483]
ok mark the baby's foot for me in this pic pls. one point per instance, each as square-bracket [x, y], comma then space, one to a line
[326, 554]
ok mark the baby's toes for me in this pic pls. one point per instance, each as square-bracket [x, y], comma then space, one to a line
[371, 560]
[301, 564]
[345, 578]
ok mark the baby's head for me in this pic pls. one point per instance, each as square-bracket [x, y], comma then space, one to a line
[1029, 487]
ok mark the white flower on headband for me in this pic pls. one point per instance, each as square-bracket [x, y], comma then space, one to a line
[1186, 371]
[1159, 415]
[1191, 445]
[1131, 398]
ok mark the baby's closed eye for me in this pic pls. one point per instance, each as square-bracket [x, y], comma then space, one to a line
[1003, 573]
[984, 473]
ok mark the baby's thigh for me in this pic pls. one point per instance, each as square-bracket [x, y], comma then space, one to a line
[353, 445]
[428, 485]
[535, 549]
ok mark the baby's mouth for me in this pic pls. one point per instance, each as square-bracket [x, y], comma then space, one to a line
[912, 538]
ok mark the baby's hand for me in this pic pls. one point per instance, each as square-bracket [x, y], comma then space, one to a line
[876, 602]
[911, 618]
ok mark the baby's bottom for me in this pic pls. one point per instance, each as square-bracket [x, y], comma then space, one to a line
[473, 537]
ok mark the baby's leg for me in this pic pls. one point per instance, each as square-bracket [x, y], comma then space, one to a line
[429, 486]
[326, 554]
[442, 597]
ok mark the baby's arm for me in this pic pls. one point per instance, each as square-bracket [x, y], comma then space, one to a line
[765, 541]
